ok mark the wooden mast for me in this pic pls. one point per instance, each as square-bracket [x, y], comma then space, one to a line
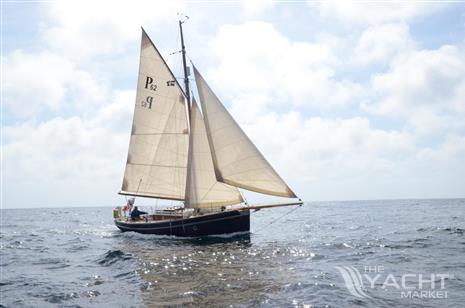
[186, 77]
[188, 98]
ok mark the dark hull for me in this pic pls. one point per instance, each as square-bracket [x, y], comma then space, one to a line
[210, 224]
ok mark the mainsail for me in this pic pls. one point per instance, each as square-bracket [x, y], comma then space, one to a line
[203, 190]
[236, 160]
[157, 158]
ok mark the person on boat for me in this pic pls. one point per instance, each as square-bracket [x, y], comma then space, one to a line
[135, 214]
[128, 207]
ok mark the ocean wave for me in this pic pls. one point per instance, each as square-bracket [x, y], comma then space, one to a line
[449, 230]
[454, 230]
[422, 242]
[113, 256]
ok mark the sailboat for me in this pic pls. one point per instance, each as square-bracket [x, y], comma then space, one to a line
[200, 156]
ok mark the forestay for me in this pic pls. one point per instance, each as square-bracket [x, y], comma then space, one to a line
[236, 160]
[203, 190]
[157, 158]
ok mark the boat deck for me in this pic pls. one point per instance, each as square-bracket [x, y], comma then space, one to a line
[152, 218]
[158, 216]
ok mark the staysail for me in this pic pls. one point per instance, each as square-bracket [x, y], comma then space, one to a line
[157, 157]
[236, 160]
[203, 190]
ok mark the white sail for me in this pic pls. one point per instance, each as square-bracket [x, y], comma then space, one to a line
[203, 190]
[237, 161]
[157, 157]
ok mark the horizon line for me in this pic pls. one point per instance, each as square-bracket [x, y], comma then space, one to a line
[305, 202]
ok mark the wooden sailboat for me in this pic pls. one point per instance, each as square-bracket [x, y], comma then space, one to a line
[200, 157]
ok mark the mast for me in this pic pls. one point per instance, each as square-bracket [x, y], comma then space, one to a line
[188, 98]
[186, 77]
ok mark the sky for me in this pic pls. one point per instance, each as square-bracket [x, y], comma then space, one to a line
[347, 100]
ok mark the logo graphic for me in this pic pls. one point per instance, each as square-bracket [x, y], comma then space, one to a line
[353, 281]
[409, 285]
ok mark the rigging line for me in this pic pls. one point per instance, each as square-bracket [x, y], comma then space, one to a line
[175, 33]
[278, 218]
[190, 59]
[137, 192]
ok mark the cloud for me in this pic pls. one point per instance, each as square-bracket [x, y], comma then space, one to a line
[450, 151]
[75, 156]
[325, 139]
[85, 29]
[85, 47]
[380, 43]
[84, 44]
[424, 86]
[45, 81]
[274, 70]
[63, 145]
[332, 158]
[365, 13]
[75, 138]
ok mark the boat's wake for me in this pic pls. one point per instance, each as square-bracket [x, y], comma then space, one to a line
[229, 235]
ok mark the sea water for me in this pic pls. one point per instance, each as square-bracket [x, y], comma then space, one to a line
[325, 254]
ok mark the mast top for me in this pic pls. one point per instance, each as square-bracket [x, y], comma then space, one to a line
[185, 18]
